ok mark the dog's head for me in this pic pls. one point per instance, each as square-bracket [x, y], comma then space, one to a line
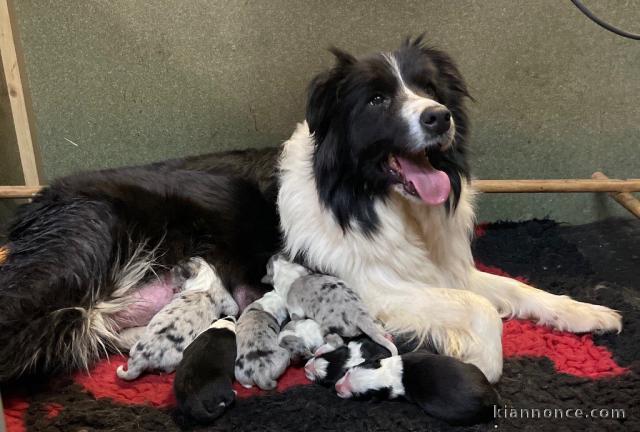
[388, 123]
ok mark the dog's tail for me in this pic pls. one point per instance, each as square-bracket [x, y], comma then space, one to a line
[60, 284]
[376, 333]
[135, 367]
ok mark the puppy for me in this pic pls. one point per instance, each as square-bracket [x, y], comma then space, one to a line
[301, 338]
[325, 299]
[442, 386]
[261, 360]
[204, 377]
[171, 330]
[332, 360]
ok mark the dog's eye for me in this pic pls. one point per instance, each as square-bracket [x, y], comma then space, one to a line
[377, 100]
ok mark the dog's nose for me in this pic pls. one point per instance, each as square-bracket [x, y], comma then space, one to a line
[436, 120]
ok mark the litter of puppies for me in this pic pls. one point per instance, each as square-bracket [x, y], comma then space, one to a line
[311, 318]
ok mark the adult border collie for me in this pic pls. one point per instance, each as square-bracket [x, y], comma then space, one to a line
[373, 188]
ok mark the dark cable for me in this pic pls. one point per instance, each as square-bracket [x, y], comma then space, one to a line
[602, 23]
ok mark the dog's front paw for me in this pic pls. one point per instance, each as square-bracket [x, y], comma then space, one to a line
[578, 317]
[261, 367]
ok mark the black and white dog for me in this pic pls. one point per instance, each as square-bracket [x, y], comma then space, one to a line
[372, 188]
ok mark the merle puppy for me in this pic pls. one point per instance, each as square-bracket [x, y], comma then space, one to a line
[261, 360]
[325, 299]
[301, 338]
[171, 330]
[442, 386]
[204, 377]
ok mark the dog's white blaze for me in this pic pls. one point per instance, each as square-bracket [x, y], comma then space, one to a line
[412, 109]
[355, 355]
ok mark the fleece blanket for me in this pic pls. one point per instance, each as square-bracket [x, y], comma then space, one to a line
[552, 380]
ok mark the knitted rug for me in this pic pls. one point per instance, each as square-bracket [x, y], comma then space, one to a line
[552, 380]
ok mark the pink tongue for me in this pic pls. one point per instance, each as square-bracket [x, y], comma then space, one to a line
[432, 185]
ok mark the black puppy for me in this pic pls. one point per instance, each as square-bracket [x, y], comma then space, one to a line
[442, 386]
[204, 377]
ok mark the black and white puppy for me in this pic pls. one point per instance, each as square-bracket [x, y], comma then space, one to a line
[204, 377]
[442, 386]
[332, 360]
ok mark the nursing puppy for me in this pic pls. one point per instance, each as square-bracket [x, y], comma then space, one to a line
[442, 386]
[261, 360]
[204, 377]
[331, 361]
[171, 330]
[325, 299]
[301, 338]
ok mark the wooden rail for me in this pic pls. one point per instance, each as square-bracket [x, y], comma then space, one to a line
[13, 192]
[557, 186]
[486, 186]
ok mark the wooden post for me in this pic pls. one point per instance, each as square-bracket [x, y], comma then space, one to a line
[20, 103]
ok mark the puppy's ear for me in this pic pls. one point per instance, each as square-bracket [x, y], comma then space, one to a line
[323, 94]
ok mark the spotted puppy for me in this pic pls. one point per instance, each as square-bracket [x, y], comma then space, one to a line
[326, 300]
[261, 360]
[301, 338]
[332, 360]
[442, 386]
[204, 377]
[171, 330]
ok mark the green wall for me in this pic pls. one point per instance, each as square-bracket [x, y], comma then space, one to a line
[136, 81]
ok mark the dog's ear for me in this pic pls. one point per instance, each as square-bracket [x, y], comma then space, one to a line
[343, 57]
[323, 93]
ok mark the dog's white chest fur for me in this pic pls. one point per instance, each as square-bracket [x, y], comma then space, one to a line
[414, 242]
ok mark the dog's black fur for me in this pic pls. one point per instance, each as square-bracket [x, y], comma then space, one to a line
[204, 377]
[354, 137]
[69, 245]
[447, 388]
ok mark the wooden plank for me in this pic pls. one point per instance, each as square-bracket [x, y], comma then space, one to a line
[625, 199]
[20, 103]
